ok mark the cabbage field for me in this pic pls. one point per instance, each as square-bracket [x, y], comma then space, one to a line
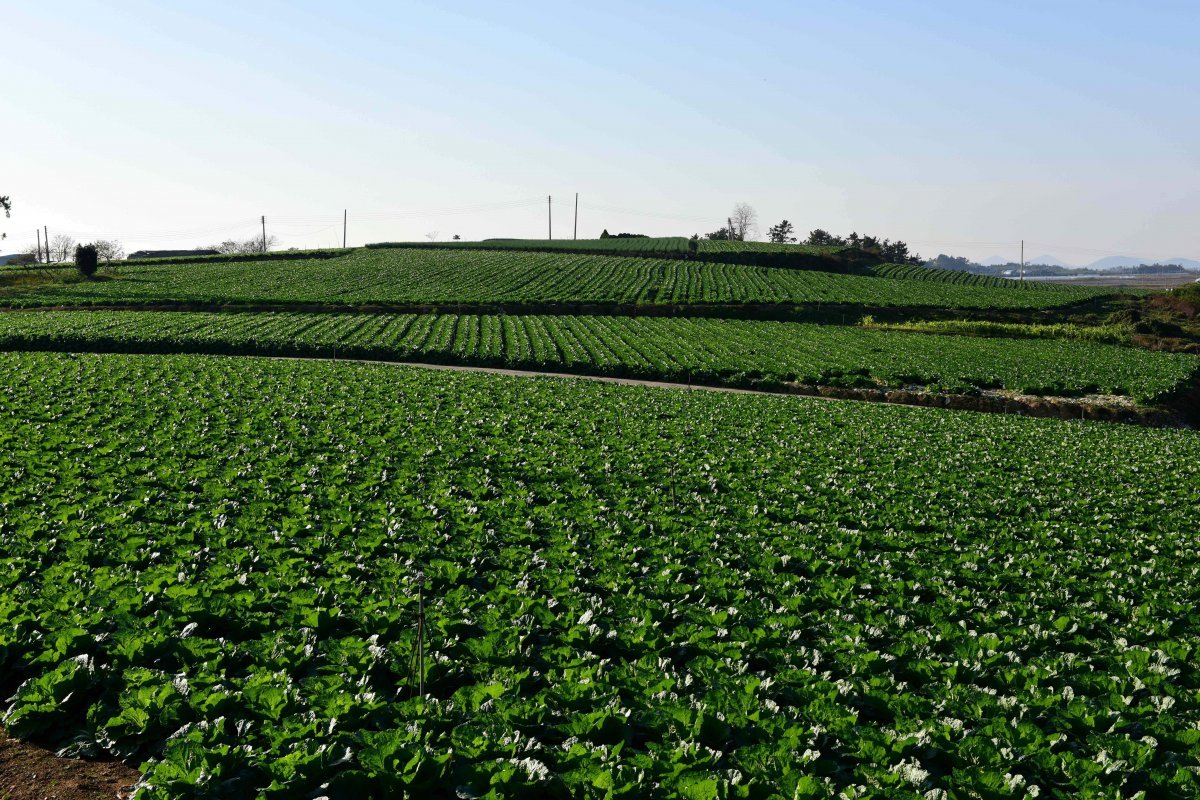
[257, 573]
[917, 272]
[408, 276]
[218, 568]
[658, 245]
[662, 246]
[737, 352]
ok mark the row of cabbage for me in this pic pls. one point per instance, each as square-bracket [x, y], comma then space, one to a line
[215, 568]
[275, 255]
[916, 272]
[733, 352]
[765, 254]
[667, 246]
[375, 277]
[613, 244]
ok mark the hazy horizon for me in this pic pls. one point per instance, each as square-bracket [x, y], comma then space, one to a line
[164, 127]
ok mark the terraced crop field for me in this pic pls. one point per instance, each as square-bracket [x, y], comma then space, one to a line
[215, 566]
[702, 350]
[673, 245]
[670, 245]
[374, 277]
[275, 255]
[916, 272]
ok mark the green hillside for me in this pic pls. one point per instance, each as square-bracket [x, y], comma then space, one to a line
[787, 256]
[666, 246]
[432, 276]
[916, 272]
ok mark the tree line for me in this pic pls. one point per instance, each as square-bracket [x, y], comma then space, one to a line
[61, 248]
[742, 225]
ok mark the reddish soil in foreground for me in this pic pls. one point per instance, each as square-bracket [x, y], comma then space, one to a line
[30, 772]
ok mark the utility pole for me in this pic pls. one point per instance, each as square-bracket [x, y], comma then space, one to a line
[1022, 261]
[345, 214]
[575, 235]
[549, 219]
[39, 256]
[46, 231]
[264, 224]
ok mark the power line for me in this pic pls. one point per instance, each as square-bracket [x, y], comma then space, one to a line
[1091, 251]
[376, 216]
[287, 221]
[636, 213]
[310, 225]
[170, 235]
[383, 216]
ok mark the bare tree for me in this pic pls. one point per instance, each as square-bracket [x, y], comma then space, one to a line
[231, 247]
[109, 250]
[432, 236]
[62, 248]
[744, 222]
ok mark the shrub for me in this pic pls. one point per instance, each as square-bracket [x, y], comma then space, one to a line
[86, 259]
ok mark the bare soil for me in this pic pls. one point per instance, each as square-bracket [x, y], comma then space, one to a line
[31, 772]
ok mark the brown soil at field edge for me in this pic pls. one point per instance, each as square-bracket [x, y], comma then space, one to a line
[31, 772]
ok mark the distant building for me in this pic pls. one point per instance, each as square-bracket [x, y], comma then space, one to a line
[172, 253]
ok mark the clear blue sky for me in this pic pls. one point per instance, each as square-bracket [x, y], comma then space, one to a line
[958, 127]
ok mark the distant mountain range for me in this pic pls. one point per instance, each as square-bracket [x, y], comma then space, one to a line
[1114, 262]
[1111, 262]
